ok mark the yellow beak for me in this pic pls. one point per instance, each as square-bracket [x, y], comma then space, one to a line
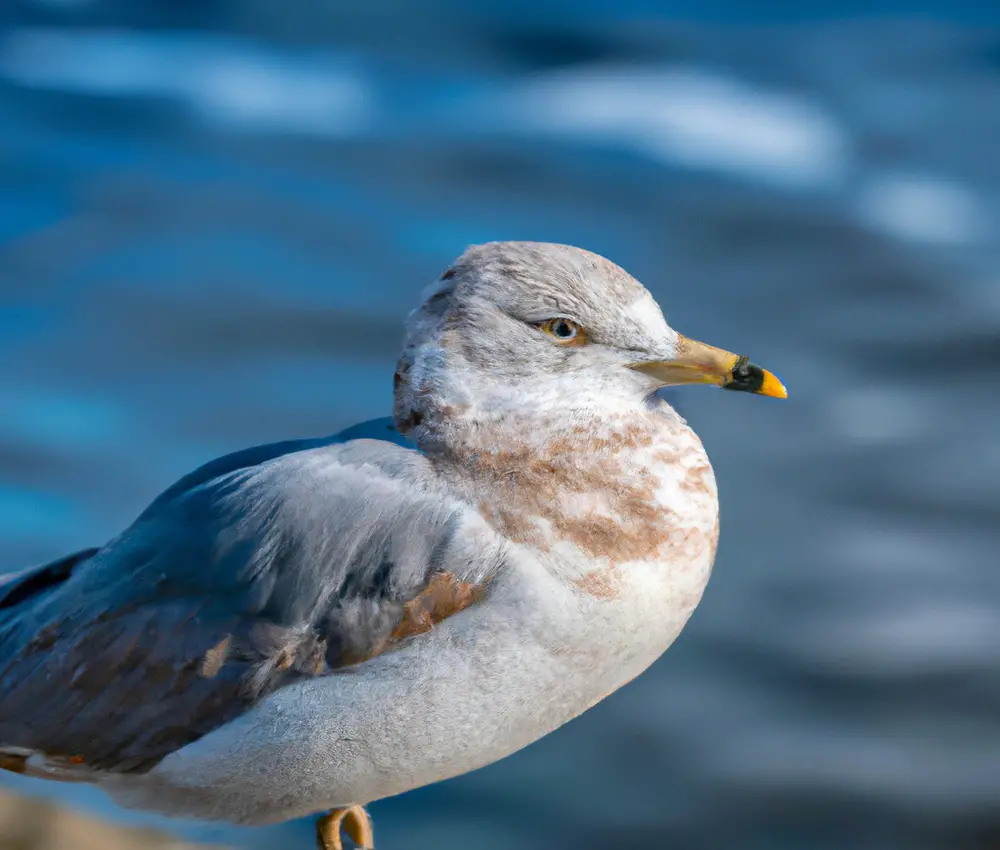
[698, 363]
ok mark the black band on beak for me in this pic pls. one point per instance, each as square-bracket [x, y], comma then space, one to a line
[746, 377]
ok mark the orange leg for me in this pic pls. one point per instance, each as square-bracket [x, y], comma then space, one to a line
[353, 820]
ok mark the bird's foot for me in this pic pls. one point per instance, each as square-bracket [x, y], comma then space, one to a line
[353, 820]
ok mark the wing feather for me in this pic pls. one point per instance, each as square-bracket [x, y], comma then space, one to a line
[262, 568]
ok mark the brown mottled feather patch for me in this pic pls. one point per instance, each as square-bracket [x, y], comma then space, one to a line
[443, 597]
[597, 534]
[214, 658]
[531, 491]
[601, 584]
[695, 479]
[533, 485]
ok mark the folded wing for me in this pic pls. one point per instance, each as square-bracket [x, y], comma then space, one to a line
[262, 568]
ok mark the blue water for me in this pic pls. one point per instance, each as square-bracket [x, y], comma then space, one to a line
[214, 217]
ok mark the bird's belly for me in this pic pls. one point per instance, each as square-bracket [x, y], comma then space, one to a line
[481, 686]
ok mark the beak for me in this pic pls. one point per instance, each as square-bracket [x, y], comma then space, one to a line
[698, 363]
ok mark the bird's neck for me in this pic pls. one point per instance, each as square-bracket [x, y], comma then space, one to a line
[613, 487]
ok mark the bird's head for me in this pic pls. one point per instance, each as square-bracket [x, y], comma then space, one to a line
[513, 327]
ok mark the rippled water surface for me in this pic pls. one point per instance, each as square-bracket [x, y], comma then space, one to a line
[214, 218]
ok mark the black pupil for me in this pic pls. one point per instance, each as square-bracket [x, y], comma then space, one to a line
[563, 329]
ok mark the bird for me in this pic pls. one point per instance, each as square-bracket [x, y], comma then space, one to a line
[305, 627]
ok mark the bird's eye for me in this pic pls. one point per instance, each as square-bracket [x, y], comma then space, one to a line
[564, 331]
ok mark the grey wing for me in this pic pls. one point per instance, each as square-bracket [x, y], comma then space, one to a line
[225, 591]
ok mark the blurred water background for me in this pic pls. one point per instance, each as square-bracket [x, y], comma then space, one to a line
[215, 215]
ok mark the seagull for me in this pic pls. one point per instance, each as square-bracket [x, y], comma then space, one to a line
[305, 627]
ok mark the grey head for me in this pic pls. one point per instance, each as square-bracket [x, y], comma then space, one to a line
[521, 326]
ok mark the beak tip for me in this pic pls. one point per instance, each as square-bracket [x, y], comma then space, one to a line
[771, 386]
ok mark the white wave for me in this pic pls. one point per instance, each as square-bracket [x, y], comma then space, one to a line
[688, 116]
[240, 84]
[921, 208]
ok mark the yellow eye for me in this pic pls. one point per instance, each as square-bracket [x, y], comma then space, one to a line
[564, 331]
